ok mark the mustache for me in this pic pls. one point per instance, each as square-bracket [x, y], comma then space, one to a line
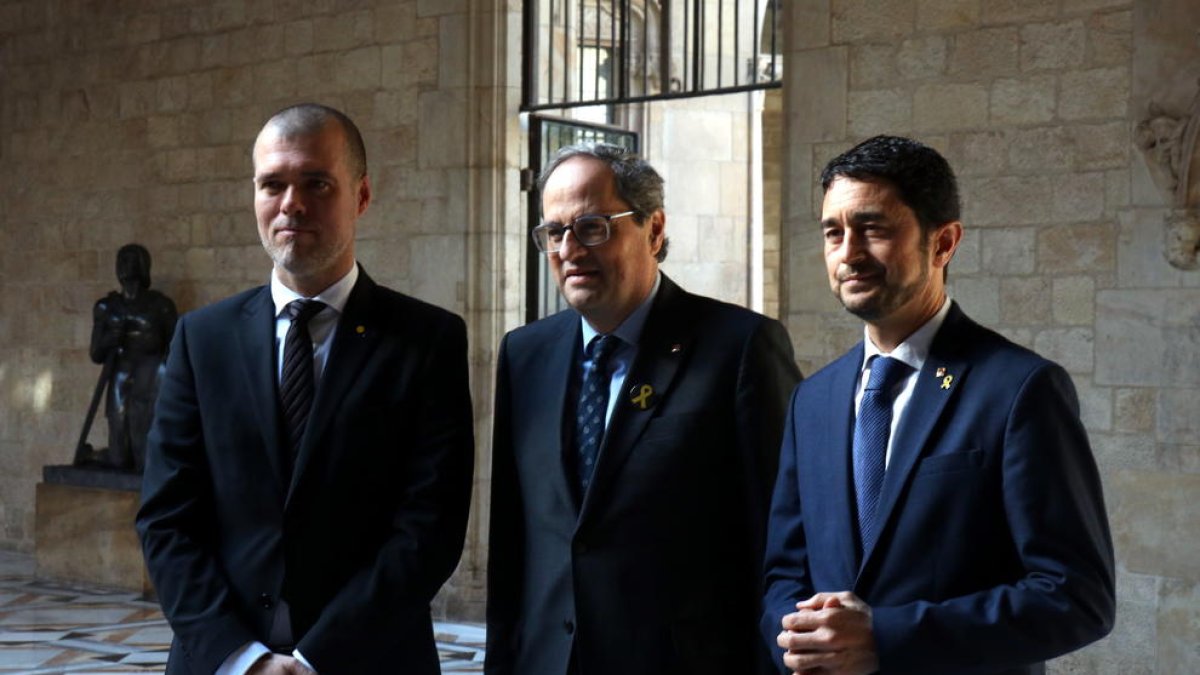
[288, 223]
[865, 268]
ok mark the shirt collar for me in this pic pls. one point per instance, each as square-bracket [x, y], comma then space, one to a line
[630, 330]
[335, 296]
[915, 349]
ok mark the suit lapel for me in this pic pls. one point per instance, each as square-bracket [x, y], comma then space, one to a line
[928, 400]
[255, 341]
[356, 337]
[552, 383]
[838, 492]
[665, 342]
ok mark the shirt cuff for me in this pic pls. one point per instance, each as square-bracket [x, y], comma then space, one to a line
[241, 660]
[300, 657]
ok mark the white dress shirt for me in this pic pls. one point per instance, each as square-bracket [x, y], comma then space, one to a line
[912, 352]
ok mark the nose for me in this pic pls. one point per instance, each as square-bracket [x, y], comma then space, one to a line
[291, 204]
[853, 246]
[571, 249]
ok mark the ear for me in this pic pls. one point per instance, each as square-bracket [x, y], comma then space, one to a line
[364, 194]
[946, 239]
[658, 230]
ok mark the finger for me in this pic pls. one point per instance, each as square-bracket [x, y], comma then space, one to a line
[803, 662]
[814, 602]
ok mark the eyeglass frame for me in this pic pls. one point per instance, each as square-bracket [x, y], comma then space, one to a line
[608, 224]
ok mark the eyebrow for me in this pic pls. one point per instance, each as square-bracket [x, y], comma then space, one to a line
[857, 218]
[303, 174]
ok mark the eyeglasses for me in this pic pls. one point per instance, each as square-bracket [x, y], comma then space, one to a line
[589, 230]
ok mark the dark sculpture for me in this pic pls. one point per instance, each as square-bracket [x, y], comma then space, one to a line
[131, 332]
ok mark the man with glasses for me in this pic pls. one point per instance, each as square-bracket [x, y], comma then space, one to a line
[636, 442]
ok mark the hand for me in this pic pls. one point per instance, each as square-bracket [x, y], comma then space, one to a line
[278, 664]
[829, 633]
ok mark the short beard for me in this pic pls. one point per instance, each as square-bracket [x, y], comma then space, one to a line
[301, 267]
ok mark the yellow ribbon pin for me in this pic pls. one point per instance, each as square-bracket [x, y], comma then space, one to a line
[946, 381]
[641, 396]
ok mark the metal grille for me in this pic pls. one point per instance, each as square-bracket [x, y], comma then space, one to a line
[594, 52]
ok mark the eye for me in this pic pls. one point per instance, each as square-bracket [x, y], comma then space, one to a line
[554, 231]
[271, 186]
[832, 234]
[588, 226]
[320, 185]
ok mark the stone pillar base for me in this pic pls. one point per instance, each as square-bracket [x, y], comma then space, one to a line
[86, 535]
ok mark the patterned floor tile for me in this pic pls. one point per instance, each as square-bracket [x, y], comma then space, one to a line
[59, 629]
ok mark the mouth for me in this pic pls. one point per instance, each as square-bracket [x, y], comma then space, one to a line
[854, 277]
[579, 276]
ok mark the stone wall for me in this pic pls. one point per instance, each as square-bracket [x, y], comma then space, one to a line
[1034, 103]
[133, 121]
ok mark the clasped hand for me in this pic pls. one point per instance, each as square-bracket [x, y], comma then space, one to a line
[829, 634]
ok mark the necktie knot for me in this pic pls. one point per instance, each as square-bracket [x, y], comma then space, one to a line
[885, 373]
[301, 311]
[600, 348]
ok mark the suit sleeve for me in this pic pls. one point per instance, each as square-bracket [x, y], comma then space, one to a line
[506, 535]
[766, 378]
[175, 522]
[786, 577]
[1055, 509]
[391, 597]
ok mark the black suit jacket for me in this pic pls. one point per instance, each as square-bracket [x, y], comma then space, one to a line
[372, 520]
[658, 570]
[993, 552]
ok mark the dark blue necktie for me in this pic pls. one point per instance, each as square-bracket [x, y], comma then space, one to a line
[871, 431]
[592, 408]
[296, 379]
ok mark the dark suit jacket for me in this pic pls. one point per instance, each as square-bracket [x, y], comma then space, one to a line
[658, 571]
[994, 552]
[370, 524]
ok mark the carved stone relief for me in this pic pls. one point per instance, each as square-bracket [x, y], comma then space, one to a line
[1167, 83]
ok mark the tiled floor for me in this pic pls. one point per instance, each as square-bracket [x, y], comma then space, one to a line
[50, 628]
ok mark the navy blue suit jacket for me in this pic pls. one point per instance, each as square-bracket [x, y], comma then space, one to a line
[994, 552]
[372, 519]
[657, 571]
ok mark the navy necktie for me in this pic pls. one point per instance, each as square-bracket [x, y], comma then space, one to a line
[592, 408]
[296, 379]
[871, 430]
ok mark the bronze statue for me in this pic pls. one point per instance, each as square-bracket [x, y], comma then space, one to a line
[131, 332]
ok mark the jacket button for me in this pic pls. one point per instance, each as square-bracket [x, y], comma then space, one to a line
[266, 601]
[569, 626]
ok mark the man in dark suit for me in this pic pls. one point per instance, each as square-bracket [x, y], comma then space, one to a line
[636, 442]
[309, 465]
[938, 509]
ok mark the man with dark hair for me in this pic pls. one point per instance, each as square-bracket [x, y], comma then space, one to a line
[938, 508]
[309, 466]
[635, 445]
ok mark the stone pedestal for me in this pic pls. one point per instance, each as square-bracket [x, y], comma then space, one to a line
[85, 529]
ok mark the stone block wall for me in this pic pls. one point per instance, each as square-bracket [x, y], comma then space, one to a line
[133, 121]
[1034, 104]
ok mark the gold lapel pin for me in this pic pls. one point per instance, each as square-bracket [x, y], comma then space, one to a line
[360, 329]
[641, 396]
[946, 380]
